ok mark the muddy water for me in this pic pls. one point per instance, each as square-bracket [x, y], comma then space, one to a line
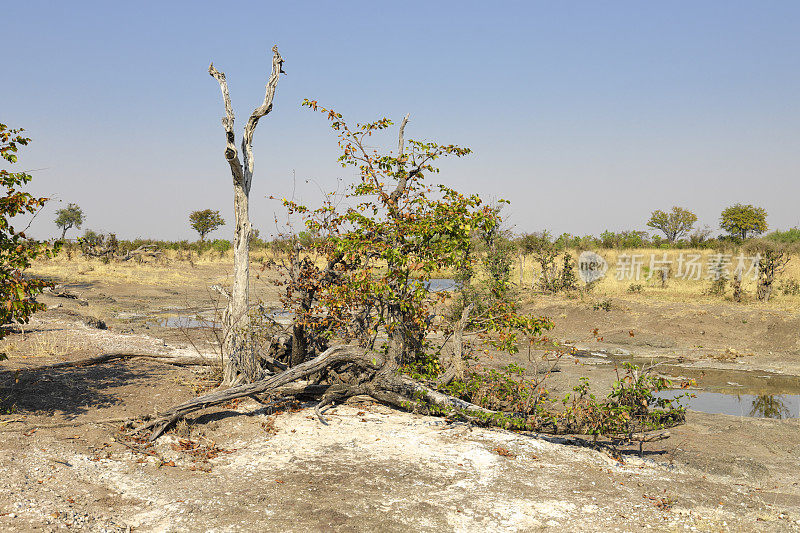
[740, 392]
[746, 393]
[752, 405]
[442, 284]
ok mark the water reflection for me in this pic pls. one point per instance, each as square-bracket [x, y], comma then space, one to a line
[777, 406]
[769, 406]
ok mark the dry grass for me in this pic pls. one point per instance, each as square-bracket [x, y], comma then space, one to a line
[39, 344]
[676, 290]
[168, 270]
[182, 269]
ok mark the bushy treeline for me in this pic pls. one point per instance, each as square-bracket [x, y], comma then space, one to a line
[525, 243]
[790, 236]
[199, 246]
[641, 239]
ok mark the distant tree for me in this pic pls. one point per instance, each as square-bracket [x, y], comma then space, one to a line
[205, 221]
[675, 224]
[69, 217]
[744, 220]
[700, 237]
[17, 293]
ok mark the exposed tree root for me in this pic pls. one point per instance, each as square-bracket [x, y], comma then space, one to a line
[334, 355]
[357, 373]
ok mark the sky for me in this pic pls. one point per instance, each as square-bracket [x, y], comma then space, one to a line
[587, 116]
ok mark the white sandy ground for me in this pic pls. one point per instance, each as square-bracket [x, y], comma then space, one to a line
[374, 469]
[370, 469]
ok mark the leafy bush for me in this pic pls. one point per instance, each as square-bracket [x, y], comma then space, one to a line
[17, 293]
[700, 238]
[221, 245]
[624, 239]
[631, 406]
[506, 389]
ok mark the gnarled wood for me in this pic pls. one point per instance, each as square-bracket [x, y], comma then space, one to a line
[331, 356]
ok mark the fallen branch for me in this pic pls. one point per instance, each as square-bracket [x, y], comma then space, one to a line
[105, 358]
[333, 355]
[146, 250]
[34, 425]
[371, 377]
[63, 293]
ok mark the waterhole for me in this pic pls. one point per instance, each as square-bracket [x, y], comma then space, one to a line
[751, 405]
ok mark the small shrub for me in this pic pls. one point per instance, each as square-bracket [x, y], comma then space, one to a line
[506, 389]
[604, 305]
[717, 287]
[789, 287]
[773, 258]
[635, 288]
[719, 280]
[736, 285]
[567, 280]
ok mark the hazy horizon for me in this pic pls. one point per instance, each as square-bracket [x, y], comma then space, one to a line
[586, 117]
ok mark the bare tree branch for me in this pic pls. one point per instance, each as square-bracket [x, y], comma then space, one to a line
[403, 179]
[258, 113]
[227, 122]
[400, 136]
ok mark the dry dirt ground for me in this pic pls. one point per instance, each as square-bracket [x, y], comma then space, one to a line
[242, 468]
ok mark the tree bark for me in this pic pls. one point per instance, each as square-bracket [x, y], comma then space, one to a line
[455, 367]
[241, 362]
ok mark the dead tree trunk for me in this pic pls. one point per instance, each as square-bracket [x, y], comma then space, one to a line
[240, 358]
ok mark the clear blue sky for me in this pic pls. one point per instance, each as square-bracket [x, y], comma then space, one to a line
[586, 115]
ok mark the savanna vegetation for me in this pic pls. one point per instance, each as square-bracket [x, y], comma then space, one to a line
[356, 282]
